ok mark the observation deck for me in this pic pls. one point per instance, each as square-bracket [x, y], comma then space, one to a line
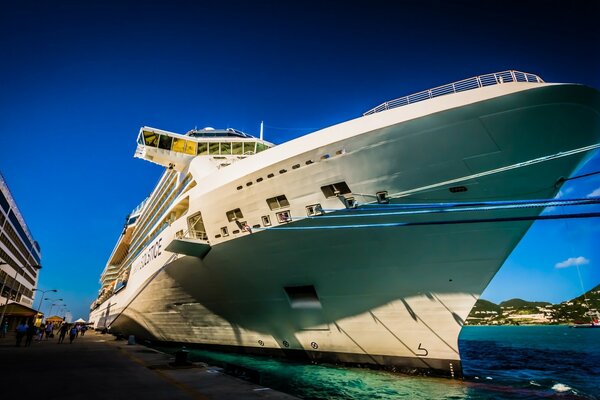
[174, 150]
[475, 82]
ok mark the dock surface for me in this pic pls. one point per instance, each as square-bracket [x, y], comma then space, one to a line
[97, 366]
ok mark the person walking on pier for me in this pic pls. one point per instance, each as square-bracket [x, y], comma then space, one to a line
[49, 329]
[72, 334]
[41, 332]
[21, 330]
[62, 332]
[4, 328]
[31, 331]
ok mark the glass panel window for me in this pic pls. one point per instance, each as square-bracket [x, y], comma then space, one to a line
[165, 142]
[190, 147]
[225, 148]
[237, 148]
[249, 147]
[214, 149]
[278, 202]
[234, 215]
[260, 147]
[202, 149]
[178, 145]
[150, 138]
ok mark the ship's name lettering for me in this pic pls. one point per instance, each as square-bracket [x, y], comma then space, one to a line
[152, 252]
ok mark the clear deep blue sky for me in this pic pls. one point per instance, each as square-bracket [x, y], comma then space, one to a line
[78, 79]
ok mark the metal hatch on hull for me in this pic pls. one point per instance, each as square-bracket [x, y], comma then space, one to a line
[173, 150]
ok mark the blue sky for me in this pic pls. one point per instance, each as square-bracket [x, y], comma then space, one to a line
[78, 79]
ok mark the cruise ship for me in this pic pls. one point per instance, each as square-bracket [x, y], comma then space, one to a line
[364, 243]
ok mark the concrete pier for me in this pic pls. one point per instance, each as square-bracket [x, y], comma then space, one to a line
[97, 366]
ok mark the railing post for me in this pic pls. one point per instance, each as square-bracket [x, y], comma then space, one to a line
[512, 74]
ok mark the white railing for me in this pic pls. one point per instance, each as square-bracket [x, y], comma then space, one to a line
[475, 82]
[191, 234]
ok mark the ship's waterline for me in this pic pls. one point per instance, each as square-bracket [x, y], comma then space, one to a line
[209, 259]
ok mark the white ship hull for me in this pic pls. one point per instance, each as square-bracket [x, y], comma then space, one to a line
[389, 295]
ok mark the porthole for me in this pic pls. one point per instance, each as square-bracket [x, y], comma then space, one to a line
[296, 166]
[240, 187]
[282, 171]
[259, 180]
[270, 175]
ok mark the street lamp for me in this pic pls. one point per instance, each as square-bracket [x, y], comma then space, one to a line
[52, 306]
[42, 298]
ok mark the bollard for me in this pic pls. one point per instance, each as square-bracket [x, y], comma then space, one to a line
[131, 339]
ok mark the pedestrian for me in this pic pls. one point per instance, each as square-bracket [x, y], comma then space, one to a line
[31, 331]
[72, 334]
[62, 332]
[21, 330]
[4, 328]
[49, 328]
[41, 332]
[83, 329]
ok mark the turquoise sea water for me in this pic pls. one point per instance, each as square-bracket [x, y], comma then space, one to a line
[504, 362]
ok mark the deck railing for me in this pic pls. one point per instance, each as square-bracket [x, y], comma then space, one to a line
[496, 78]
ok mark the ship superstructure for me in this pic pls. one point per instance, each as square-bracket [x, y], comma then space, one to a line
[364, 243]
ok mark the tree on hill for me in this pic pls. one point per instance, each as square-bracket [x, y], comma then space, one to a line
[520, 303]
[484, 305]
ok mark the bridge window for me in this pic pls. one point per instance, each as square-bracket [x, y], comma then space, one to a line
[150, 138]
[225, 148]
[277, 202]
[202, 149]
[190, 147]
[260, 147]
[213, 149]
[248, 147]
[165, 142]
[178, 145]
[237, 148]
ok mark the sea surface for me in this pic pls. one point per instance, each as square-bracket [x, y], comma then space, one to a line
[499, 362]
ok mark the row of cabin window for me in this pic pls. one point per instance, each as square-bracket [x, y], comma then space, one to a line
[202, 149]
[282, 217]
[295, 166]
[278, 202]
[274, 203]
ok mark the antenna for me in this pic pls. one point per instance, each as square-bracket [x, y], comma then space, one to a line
[261, 130]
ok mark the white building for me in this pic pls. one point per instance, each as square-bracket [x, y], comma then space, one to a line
[20, 255]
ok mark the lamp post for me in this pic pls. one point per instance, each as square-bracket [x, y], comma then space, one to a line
[42, 298]
[52, 306]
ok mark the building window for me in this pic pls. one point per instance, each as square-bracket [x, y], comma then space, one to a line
[266, 220]
[335, 189]
[234, 215]
[224, 231]
[277, 202]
